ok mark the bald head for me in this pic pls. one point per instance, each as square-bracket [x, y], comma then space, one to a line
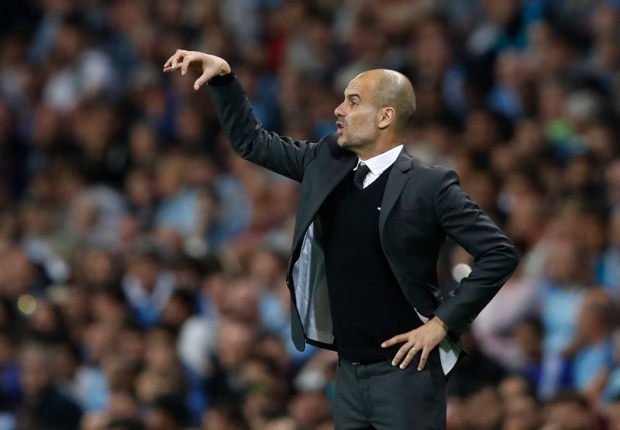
[375, 111]
[392, 89]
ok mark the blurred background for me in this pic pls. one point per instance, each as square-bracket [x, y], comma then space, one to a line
[142, 264]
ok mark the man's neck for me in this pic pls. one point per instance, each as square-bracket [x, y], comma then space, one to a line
[379, 148]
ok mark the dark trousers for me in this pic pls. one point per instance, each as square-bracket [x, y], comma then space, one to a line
[384, 397]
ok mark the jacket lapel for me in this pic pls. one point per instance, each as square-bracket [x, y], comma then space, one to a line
[332, 173]
[394, 187]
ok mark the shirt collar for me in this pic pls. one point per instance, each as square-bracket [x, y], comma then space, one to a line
[379, 163]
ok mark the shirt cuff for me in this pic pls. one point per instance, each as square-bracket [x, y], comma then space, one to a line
[221, 80]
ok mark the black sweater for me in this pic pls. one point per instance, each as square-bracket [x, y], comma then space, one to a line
[367, 304]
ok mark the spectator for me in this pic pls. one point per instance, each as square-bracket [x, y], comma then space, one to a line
[147, 287]
[571, 411]
[43, 404]
[132, 243]
[566, 276]
[496, 323]
[594, 359]
[613, 414]
[126, 424]
[166, 412]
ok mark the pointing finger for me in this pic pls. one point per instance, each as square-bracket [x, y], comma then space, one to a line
[187, 61]
[174, 59]
[394, 340]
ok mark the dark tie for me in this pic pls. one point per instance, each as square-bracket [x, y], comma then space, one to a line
[360, 173]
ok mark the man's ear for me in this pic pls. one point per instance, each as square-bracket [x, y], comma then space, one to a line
[387, 116]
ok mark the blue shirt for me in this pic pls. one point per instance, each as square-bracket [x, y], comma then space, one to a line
[590, 361]
[559, 313]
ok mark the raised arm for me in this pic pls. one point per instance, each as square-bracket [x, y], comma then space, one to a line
[246, 134]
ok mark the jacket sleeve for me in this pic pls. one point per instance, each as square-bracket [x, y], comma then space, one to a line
[248, 137]
[495, 258]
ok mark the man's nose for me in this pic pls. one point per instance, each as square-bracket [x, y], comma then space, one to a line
[338, 111]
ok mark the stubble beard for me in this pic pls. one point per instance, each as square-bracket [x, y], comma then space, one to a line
[357, 144]
[349, 142]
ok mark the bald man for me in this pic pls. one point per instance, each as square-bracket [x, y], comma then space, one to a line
[370, 224]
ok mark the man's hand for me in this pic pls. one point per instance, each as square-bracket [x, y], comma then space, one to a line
[208, 65]
[422, 339]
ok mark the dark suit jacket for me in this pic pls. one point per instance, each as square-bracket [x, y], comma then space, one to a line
[421, 205]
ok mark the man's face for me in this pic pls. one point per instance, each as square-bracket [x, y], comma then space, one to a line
[35, 372]
[158, 420]
[357, 115]
[568, 416]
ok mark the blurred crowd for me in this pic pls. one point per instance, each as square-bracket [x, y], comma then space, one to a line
[142, 263]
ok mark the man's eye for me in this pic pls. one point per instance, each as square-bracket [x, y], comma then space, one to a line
[352, 103]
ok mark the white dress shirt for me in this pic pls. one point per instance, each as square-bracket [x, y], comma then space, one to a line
[448, 350]
[379, 163]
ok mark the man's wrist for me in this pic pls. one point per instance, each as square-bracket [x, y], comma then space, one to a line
[225, 69]
[441, 324]
[221, 80]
